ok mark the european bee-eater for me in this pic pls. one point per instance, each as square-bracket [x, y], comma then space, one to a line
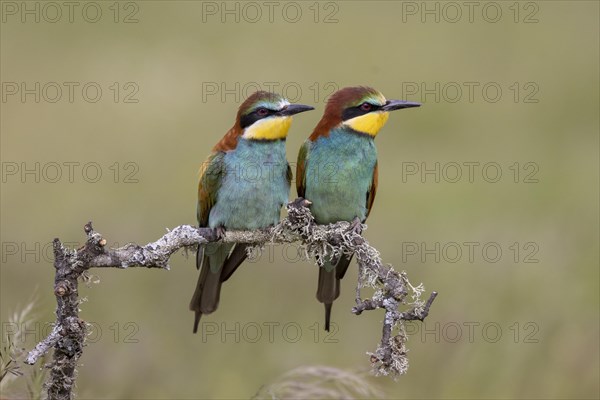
[337, 170]
[243, 185]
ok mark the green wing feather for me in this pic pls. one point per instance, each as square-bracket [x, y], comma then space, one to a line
[289, 175]
[372, 190]
[211, 175]
[301, 168]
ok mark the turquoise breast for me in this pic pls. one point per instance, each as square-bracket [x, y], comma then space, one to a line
[339, 174]
[254, 186]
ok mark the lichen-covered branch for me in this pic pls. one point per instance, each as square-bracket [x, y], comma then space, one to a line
[392, 289]
[44, 346]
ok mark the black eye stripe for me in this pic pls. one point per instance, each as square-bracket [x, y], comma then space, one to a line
[254, 116]
[352, 112]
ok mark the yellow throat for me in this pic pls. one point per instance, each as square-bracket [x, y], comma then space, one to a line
[268, 129]
[369, 123]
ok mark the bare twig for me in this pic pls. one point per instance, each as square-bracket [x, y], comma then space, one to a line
[412, 315]
[44, 346]
[319, 242]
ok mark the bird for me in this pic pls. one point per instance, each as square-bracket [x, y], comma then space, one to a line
[337, 170]
[243, 184]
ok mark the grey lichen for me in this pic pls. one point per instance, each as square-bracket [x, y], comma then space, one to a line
[319, 242]
[390, 288]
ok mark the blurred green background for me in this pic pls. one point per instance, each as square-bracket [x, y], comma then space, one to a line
[505, 329]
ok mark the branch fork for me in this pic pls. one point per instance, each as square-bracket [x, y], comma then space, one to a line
[392, 289]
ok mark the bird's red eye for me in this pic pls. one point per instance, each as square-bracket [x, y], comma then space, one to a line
[262, 112]
[365, 107]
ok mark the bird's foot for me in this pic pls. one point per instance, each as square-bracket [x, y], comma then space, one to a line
[220, 232]
[356, 226]
[301, 202]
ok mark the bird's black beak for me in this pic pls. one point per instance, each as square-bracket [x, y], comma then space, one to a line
[294, 109]
[392, 105]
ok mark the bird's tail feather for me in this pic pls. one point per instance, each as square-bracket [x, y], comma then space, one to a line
[235, 259]
[342, 266]
[205, 300]
[216, 265]
[327, 315]
[328, 289]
